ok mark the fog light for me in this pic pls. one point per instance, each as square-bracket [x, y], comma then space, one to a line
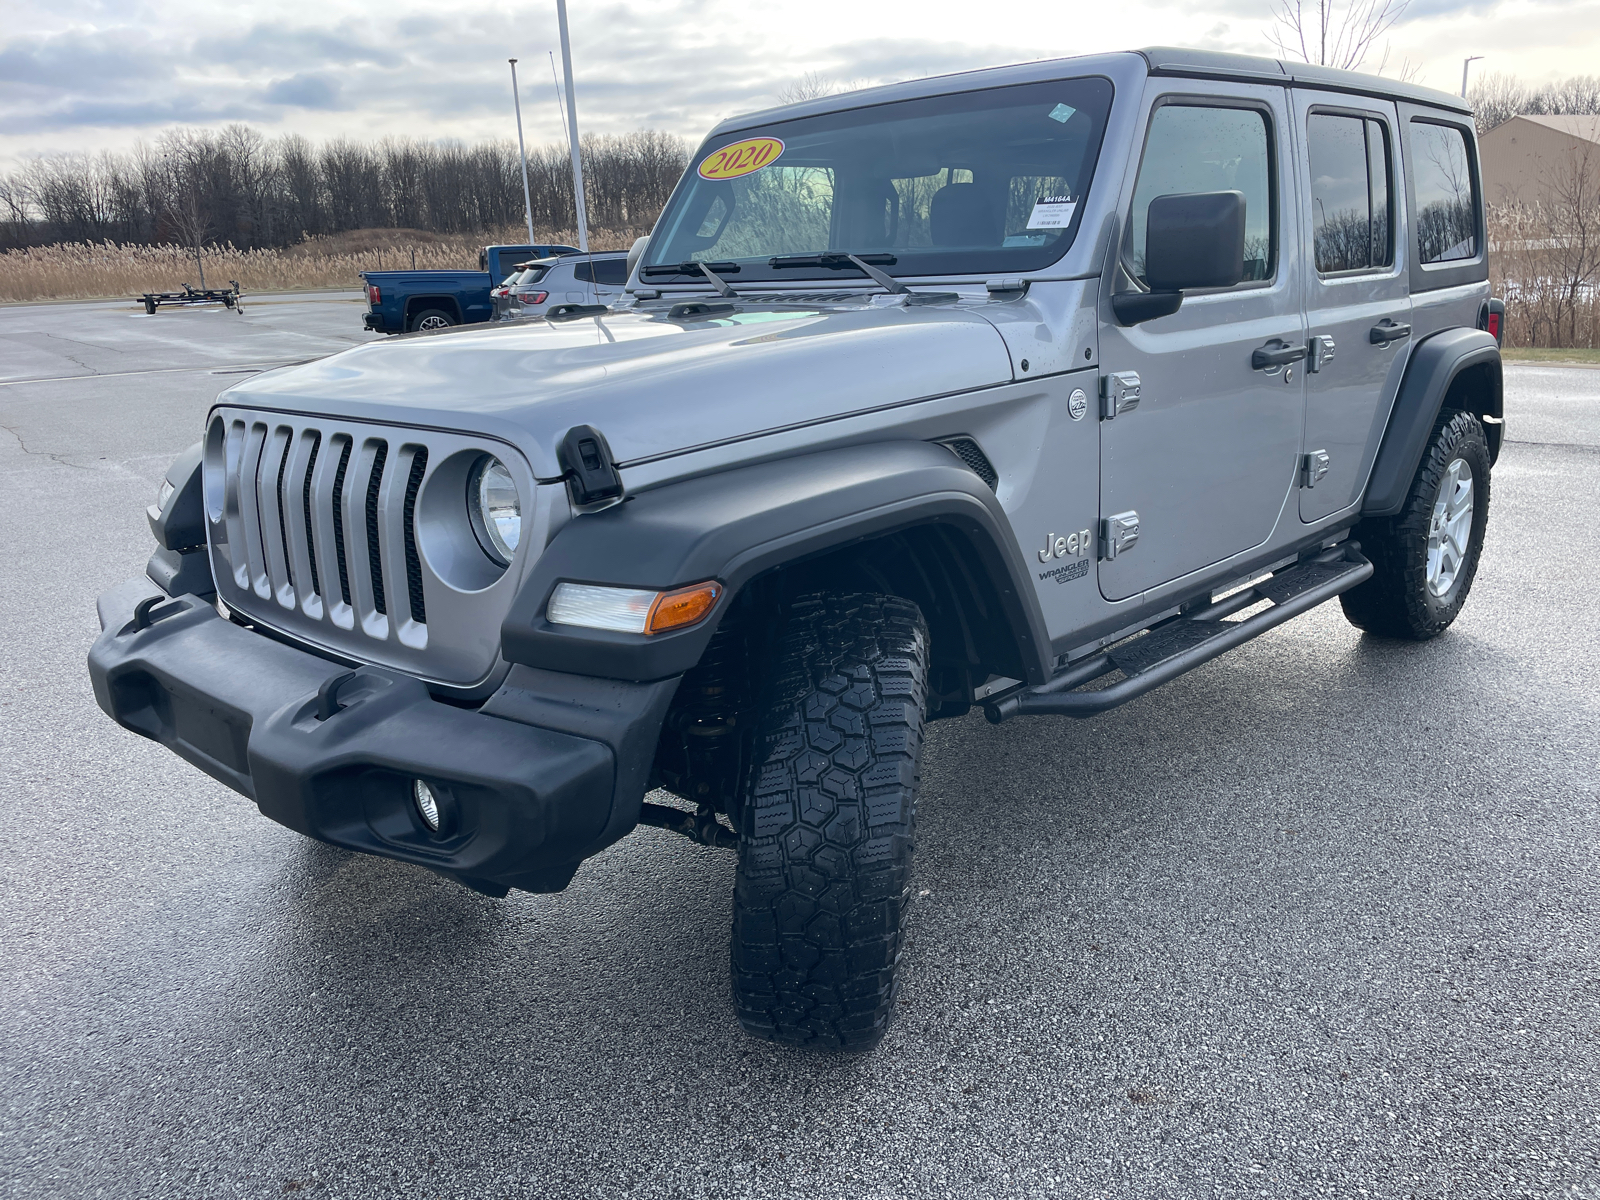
[427, 805]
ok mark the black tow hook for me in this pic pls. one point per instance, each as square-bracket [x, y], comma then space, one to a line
[699, 826]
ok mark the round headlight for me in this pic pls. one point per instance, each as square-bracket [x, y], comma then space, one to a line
[495, 507]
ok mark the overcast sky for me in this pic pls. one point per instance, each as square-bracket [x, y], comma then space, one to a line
[84, 75]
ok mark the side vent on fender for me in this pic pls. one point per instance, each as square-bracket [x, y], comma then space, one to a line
[969, 452]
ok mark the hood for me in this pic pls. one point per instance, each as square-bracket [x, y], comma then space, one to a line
[653, 385]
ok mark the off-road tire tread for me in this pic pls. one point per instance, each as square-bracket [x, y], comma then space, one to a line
[1394, 602]
[827, 823]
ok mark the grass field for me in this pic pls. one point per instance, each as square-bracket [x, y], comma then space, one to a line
[109, 270]
[1574, 357]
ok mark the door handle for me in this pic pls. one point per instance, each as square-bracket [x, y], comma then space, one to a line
[1276, 353]
[1386, 331]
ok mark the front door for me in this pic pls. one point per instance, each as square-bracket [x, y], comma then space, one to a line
[1358, 310]
[1209, 456]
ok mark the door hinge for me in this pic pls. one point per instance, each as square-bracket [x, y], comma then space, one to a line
[1118, 533]
[1321, 353]
[1313, 467]
[1119, 393]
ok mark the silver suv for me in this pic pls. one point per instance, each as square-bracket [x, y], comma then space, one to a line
[547, 283]
[1028, 389]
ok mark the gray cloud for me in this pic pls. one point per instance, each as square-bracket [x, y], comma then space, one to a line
[72, 60]
[268, 46]
[130, 114]
[677, 65]
[305, 91]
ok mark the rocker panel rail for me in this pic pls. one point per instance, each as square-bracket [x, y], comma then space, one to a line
[1188, 642]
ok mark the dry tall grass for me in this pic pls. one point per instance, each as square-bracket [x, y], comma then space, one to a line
[77, 271]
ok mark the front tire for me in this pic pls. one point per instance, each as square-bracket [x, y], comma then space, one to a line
[1425, 559]
[826, 823]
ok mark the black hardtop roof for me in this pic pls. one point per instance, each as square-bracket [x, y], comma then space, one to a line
[1156, 60]
[1213, 64]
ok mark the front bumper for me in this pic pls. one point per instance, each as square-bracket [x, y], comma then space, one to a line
[333, 753]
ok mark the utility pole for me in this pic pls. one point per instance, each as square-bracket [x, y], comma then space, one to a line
[572, 128]
[522, 152]
[1464, 65]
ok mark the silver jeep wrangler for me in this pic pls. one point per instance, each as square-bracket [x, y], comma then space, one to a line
[1029, 388]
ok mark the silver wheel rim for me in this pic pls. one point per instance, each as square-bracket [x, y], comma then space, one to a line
[433, 323]
[1450, 529]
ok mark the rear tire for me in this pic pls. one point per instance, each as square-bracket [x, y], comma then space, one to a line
[1425, 559]
[826, 823]
[431, 318]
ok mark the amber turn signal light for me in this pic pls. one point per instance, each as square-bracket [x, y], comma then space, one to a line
[682, 608]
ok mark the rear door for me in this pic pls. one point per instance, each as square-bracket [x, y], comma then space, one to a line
[1208, 457]
[581, 288]
[1358, 307]
[610, 274]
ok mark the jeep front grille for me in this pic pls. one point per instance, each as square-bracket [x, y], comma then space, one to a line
[350, 536]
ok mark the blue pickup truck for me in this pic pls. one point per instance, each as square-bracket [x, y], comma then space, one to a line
[406, 301]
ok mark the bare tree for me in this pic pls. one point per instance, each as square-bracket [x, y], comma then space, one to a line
[1545, 257]
[811, 86]
[1334, 33]
[14, 202]
[236, 187]
[186, 206]
[1496, 98]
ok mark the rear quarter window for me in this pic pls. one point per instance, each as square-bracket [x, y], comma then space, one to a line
[1446, 213]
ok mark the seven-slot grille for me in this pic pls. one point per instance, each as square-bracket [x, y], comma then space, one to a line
[316, 529]
[323, 523]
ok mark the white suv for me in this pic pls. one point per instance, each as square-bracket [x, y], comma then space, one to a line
[570, 279]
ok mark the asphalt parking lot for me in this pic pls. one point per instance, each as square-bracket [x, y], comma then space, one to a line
[1320, 918]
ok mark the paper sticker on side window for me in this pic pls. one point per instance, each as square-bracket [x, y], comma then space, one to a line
[1052, 212]
[741, 158]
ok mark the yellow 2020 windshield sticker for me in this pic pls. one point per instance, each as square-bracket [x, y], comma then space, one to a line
[741, 158]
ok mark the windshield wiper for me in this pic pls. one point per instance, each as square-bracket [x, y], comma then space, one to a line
[692, 268]
[841, 261]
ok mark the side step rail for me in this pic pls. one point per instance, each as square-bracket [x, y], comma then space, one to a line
[1187, 641]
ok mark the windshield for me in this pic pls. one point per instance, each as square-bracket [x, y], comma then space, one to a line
[976, 182]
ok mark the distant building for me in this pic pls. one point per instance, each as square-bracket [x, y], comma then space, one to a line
[1525, 157]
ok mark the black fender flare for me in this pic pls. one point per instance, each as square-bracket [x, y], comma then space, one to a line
[1435, 366]
[733, 525]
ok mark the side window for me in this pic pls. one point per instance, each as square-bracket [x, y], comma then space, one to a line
[1350, 175]
[1192, 148]
[1447, 208]
[583, 272]
[613, 272]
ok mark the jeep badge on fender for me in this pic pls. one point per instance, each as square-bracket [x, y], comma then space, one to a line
[1066, 545]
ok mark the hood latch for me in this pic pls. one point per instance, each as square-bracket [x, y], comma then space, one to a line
[591, 473]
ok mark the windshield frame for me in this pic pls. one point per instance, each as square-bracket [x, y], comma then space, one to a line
[912, 262]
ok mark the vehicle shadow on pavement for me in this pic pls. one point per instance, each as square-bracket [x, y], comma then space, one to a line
[1245, 894]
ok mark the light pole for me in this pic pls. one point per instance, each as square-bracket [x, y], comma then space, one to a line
[522, 152]
[572, 128]
[1464, 65]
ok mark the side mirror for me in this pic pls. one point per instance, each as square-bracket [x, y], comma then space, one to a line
[1195, 240]
[636, 252]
